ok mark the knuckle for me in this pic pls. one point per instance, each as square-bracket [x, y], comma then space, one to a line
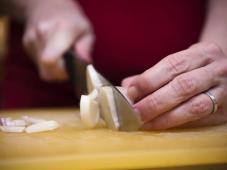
[221, 70]
[184, 85]
[200, 108]
[176, 64]
[42, 28]
[212, 51]
[145, 81]
[84, 26]
[214, 48]
[154, 104]
[28, 37]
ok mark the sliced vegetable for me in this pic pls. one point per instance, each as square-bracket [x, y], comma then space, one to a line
[42, 126]
[3, 120]
[89, 111]
[94, 94]
[32, 120]
[14, 129]
[108, 107]
[93, 79]
[19, 125]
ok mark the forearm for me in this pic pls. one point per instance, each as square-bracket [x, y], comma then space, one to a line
[215, 29]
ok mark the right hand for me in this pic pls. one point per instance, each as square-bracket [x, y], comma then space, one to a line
[52, 28]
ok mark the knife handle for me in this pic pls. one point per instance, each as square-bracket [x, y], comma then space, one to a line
[69, 61]
[76, 70]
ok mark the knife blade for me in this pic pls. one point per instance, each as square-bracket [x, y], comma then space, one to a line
[127, 118]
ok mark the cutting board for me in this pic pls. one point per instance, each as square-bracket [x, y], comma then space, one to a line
[72, 146]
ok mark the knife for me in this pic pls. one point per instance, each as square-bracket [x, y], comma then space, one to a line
[127, 118]
[76, 70]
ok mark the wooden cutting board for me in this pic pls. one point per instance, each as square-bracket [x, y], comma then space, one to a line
[73, 147]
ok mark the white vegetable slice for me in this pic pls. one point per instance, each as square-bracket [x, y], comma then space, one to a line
[13, 129]
[32, 120]
[108, 107]
[4, 120]
[94, 94]
[16, 123]
[8, 121]
[94, 79]
[42, 126]
[89, 111]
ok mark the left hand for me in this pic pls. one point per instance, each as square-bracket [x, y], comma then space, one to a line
[172, 93]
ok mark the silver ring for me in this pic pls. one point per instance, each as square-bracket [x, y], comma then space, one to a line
[214, 101]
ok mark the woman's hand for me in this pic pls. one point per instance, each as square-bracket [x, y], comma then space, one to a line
[52, 28]
[172, 93]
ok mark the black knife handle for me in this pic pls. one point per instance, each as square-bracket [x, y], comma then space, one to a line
[70, 64]
[76, 70]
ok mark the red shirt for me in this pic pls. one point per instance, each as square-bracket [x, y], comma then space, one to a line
[131, 36]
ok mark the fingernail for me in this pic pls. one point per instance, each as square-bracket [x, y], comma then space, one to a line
[139, 114]
[132, 93]
[145, 115]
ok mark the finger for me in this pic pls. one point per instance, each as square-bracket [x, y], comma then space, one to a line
[37, 41]
[170, 67]
[198, 108]
[53, 73]
[56, 46]
[194, 109]
[177, 91]
[61, 41]
[44, 31]
[30, 44]
[127, 81]
[84, 46]
[216, 118]
[52, 53]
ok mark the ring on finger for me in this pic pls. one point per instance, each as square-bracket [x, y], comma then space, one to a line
[214, 102]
